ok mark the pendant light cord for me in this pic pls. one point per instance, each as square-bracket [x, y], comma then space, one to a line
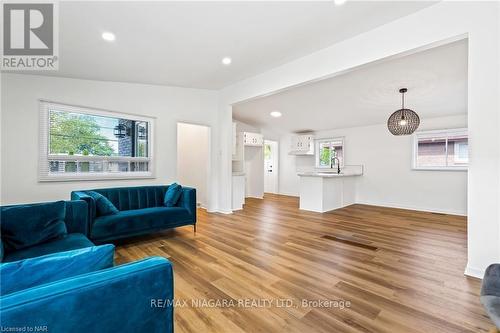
[403, 106]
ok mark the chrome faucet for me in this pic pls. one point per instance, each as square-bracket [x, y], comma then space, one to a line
[332, 162]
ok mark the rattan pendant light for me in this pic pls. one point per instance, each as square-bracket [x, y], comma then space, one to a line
[403, 121]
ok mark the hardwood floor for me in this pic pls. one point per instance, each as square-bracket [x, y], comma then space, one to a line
[401, 271]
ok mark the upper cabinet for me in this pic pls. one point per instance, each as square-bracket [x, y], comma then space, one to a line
[253, 139]
[302, 145]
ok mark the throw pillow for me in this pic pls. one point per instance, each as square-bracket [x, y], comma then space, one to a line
[28, 225]
[102, 204]
[172, 195]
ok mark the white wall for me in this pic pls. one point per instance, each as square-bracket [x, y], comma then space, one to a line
[193, 152]
[388, 179]
[20, 125]
[443, 22]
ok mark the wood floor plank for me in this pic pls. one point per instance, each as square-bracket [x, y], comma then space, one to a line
[399, 270]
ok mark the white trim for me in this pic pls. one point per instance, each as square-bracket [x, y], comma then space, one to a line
[474, 272]
[411, 207]
[44, 155]
[226, 212]
[448, 168]
[254, 197]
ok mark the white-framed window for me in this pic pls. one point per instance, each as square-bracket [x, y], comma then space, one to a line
[329, 152]
[80, 143]
[441, 150]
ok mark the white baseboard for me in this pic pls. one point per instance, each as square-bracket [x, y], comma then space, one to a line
[474, 272]
[289, 194]
[219, 211]
[224, 211]
[410, 207]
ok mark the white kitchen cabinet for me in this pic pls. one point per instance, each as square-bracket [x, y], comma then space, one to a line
[238, 147]
[302, 145]
[253, 139]
[238, 191]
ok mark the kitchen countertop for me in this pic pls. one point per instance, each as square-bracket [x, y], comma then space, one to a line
[329, 174]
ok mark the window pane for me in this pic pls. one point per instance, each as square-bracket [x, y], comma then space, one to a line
[141, 148]
[324, 154]
[117, 167]
[458, 150]
[338, 151]
[139, 166]
[81, 134]
[431, 152]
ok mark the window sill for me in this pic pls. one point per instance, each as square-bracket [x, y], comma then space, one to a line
[95, 177]
[440, 169]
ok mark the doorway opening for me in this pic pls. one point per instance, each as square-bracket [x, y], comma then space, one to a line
[271, 176]
[193, 154]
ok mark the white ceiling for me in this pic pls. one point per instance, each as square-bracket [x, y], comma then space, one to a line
[436, 80]
[182, 43]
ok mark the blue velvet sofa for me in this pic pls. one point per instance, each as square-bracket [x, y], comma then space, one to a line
[141, 210]
[53, 279]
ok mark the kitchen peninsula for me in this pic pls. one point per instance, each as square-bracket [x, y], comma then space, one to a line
[322, 191]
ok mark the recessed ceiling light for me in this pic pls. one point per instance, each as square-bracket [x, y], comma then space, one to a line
[275, 114]
[109, 36]
[226, 61]
[339, 2]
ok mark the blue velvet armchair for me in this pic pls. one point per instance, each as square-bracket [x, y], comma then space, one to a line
[73, 214]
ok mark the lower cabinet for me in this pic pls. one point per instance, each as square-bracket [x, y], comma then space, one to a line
[238, 191]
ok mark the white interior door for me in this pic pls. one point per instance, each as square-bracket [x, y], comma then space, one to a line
[271, 166]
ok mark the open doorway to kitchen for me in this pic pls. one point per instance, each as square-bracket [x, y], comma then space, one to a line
[271, 166]
[193, 154]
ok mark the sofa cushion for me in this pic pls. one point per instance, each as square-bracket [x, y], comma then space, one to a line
[28, 225]
[172, 195]
[65, 243]
[138, 221]
[1, 250]
[103, 205]
[31, 272]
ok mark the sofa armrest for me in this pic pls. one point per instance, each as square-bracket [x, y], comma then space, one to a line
[188, 201]
[28, 273]
[79, 195]
[77, 217]
[134, 297]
